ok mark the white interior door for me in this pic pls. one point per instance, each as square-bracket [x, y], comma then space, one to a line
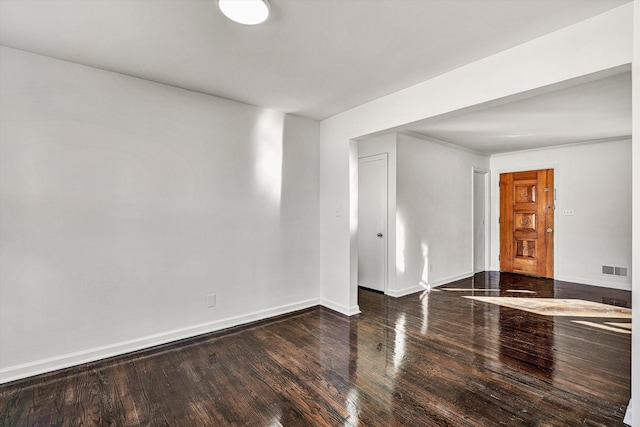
[372, 222]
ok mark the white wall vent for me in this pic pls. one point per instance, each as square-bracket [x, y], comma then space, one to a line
[615, 271]
[608, 269]
[620, 271]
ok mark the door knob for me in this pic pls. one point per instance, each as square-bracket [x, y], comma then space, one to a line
[549, 230]
[379, 234]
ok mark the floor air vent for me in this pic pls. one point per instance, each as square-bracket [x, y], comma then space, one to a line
[615, 271]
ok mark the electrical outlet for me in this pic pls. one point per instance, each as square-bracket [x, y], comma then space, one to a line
[567, 211]
[211, 300]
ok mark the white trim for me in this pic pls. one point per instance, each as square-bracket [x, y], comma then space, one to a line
[347, 311]
[590, 282]
[407, 291]
[373, 157]
[567, 145]
[635, 219]
[451, 279]
[436, 283]
[427, 138]
[42, 366]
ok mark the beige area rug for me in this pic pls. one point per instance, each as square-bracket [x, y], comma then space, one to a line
[558, 307]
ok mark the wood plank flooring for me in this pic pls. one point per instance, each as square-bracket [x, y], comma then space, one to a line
[427, 359]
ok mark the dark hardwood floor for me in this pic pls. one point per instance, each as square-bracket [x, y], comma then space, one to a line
[427, 359]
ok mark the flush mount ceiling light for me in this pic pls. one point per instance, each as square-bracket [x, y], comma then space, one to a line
[248, 12]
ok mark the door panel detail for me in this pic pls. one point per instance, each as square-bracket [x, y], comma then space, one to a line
[525, 221]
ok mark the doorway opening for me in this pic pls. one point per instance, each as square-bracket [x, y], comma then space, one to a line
[480, 220]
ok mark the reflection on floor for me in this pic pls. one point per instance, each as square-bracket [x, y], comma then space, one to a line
[620, 325]
[605, 327]
[426, 359]
[558, 307]
[472, 290]
[521, 291]
[540, 337]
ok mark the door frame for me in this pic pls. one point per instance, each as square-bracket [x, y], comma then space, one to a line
[385, 157]
[495, 204]
[487, 218]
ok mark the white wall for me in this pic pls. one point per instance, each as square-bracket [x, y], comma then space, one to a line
[434, 212]
[594, 180]
[635, 350]
[125, 202]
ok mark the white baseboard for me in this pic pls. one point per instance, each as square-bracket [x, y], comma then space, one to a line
[403, 292]
[342, 309]
[450, 279]
[421, 287]
[602, 283]
[582, 281]
[16, 372]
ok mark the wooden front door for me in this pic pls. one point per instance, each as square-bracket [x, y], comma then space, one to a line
[526, 222]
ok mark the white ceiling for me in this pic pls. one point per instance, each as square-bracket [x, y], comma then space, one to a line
[596, 110]
[314, 58]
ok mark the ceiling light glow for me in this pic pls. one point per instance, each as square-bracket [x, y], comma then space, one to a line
[247, 12]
